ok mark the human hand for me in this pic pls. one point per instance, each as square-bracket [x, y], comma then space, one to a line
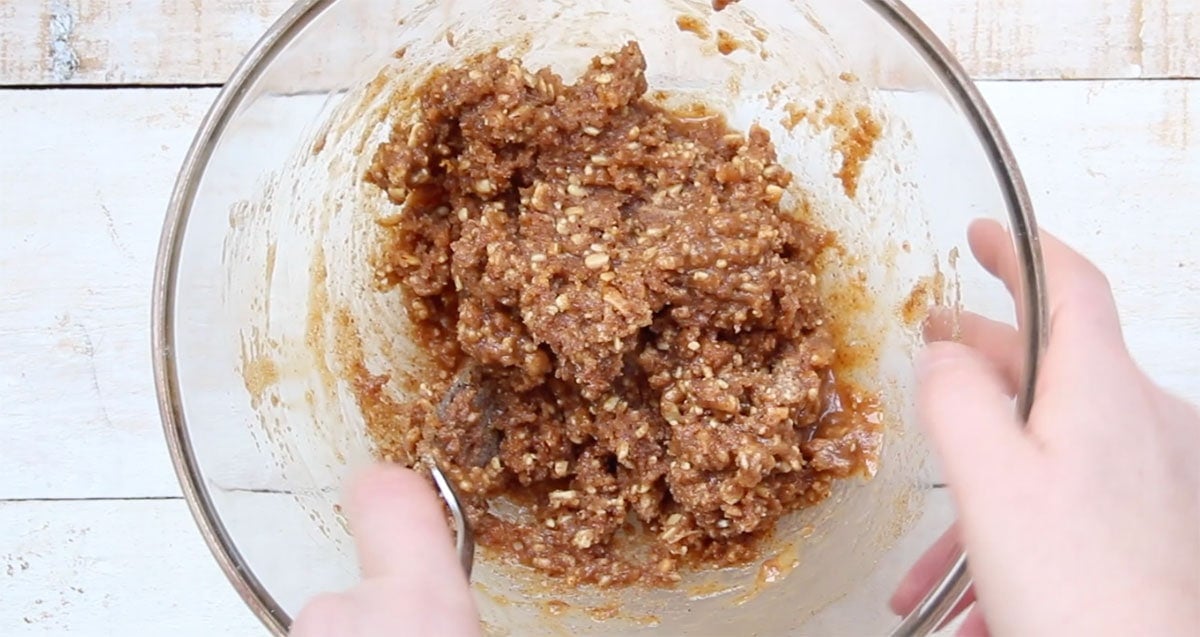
[1087, 521]
[412, 581]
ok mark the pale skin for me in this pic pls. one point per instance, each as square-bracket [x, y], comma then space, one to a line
[1084, 521]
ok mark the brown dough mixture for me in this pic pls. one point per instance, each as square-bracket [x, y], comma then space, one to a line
[637, 371]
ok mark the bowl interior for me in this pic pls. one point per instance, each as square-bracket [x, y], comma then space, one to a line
[272, 305]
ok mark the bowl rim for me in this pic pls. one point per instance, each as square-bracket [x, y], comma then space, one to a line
[933, 609]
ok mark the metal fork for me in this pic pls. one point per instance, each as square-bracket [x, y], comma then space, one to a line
[464, 542]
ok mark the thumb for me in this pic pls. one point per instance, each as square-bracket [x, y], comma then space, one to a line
[399, 525]
[413, 583]
[964, 407]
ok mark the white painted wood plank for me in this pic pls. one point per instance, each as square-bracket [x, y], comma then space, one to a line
[1114, 167]
[128, 41]
[107, 568]
[86, 180]
[1048, 39]
[167, 41]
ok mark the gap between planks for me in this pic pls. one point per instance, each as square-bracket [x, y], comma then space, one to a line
[176, 86]
[162, 498]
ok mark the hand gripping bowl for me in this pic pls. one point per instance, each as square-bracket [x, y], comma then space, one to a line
[269, 232]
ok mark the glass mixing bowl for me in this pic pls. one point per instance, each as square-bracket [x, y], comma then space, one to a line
[265, 248]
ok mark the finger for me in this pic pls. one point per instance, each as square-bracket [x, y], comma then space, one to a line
[998, 342]
[963, 403]
[326, 615]
[968, 600]
[974, 625]
[402, 606]
[399, 526]
[993, 250]
[389, 607]
[928, 571]
[1081, 304]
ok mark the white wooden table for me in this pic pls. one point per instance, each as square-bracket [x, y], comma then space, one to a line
[99, 100]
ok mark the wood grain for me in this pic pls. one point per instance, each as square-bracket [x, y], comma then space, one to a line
[1112, 167]
[1078, 39]
[171, 42]
[112, 568]
[128, 41]
[81, 206]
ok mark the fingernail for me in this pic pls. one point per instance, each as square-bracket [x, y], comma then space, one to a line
[938, 324]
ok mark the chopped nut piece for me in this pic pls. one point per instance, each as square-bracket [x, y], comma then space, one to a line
[583, 539]
[622, 320]
[595, 261]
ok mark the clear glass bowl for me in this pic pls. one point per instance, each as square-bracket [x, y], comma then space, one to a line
[264, 255]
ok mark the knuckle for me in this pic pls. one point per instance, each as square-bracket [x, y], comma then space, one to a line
[1089, 291]
[1095, 281]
